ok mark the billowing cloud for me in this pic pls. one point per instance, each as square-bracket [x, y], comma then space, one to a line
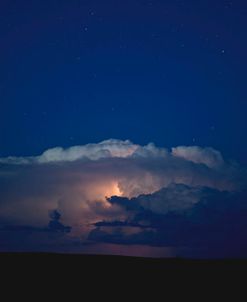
[216, 224]
[105, 149]
[78, 181]
[207, 156]
[174, 198]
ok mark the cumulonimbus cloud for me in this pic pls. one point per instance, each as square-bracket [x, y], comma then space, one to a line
[76, 181]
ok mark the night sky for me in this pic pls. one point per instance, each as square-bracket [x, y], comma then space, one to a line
[170, 72]
[127, 73]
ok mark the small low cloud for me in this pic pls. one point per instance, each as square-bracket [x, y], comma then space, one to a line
[55, 224]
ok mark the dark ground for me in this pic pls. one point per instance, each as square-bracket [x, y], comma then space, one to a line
[46, 277]
[95, 263]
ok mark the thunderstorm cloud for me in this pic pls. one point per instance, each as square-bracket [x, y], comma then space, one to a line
[118, 192]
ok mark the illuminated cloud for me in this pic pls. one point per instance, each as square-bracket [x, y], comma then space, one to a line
[105, 149]
[78, 182]
[207, 156]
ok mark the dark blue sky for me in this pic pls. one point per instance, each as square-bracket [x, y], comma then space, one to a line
[170, 72]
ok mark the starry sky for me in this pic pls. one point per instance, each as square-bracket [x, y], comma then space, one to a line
[123, 127]
[75, 72]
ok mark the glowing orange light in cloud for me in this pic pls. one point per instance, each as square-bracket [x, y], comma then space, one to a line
[111, 190]
[100, 191]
